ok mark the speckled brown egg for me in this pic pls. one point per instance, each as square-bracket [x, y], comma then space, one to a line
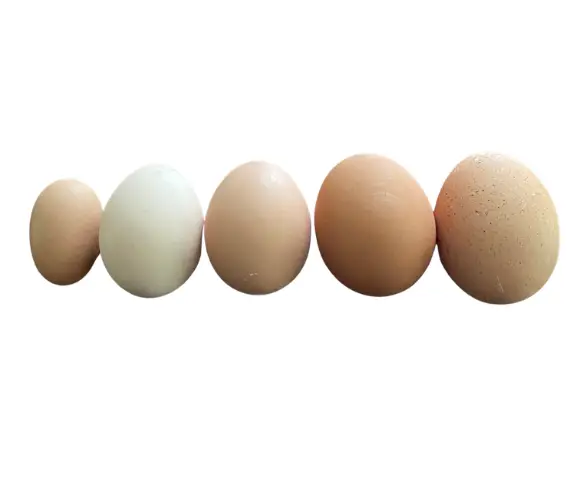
[64, 231]
[374, 226]
[497, 229]
[257, 229]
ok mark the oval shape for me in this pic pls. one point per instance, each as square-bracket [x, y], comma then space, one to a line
[497, 229]
[151, 232]
[374, 226]
[64, 231]
[257, 230]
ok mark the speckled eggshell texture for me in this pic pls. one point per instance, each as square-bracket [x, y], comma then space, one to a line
[374, 226]
[497, 228]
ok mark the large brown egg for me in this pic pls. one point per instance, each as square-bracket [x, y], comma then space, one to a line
[64, 231]
[497, 229]
[257, 229]
[374, 226]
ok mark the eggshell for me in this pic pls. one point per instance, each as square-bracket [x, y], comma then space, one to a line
[151, 232]
[257, 230]
[497, 228]
[64, 231]
[374, 226]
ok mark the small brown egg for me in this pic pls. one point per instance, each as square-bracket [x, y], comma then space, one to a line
[64, 231]
[257, 229]
[497, 229]
[374, 226]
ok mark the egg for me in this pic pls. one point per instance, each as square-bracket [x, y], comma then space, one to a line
[497, 229]
[374, 226]
[64, 231]
[151, 232]
[257, 231]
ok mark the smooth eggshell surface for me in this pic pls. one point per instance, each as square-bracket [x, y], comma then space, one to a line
[257, 230]
[151, 232]
[497, 229]
[374, 226]
[64, 231]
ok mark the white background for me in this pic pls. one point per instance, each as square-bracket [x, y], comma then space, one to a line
[313, 387]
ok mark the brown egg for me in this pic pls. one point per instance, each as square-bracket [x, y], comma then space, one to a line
[257, 229]
[497, 229]
[64, 231]
[374, 226]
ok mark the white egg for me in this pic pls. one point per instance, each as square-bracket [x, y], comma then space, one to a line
[151, 232]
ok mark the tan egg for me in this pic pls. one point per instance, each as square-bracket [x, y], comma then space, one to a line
[64, 231]
[497, 229]
[257, 229]
[374, 226]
